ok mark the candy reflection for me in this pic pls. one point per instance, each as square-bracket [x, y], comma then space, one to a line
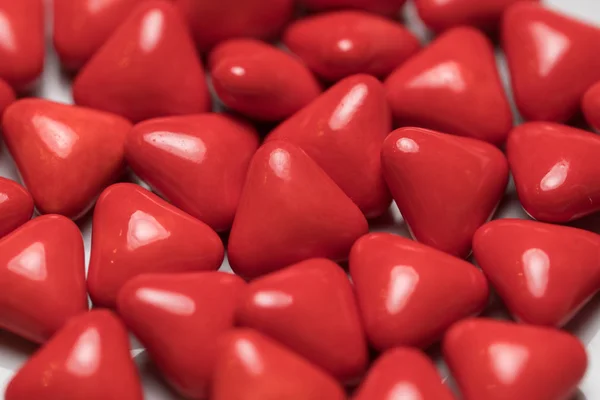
[345, 45]
[403, 282]
[175, 303]
[536, 265]
[84, 358]
[279, 161]
[407, 145]
[151, 30]
[248, 355]
[7, 37]
[181, 145]
[446, 75]
[508, 360]
[272, 299]
[551, 45]
[95, 6]
[30, 263]
[556, 176]
[58, 137]
[404, 391]
[348, 107]
[144, 229]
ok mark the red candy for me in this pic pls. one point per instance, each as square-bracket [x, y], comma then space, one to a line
[42, 272]
[544, 273]
[7, 96]
[66, 155]
[136, 232]
[556, 170]
[16, 206]
[342, 131]
[290, 210]
[590, 105]
[88, 359]
[178, 318]
[445, 186]
[310, 308]
[452, 86]
[388, 7]
[360, 43]
[198, 162]
[251, 366]
[408, 293]
[550, 59]
[260, 81]
[148, 68]
[496, 360]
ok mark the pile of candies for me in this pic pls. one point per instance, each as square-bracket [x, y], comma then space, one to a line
[288, 180]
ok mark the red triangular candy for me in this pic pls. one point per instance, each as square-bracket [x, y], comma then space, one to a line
[16, 206]
[310, 308]
[136, 232]
[290, 210]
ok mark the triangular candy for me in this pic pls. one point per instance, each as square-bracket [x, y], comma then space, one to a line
[16, 206]
[251, 366]
[42, 270]
[66, 155]
[403, 373]
[590, 105]
[343, 131]
[88, 359]
[310, 308]
[197, 162]
[551, 65]
[452, 86]
[408, 293]
[556, 170]
[387, 7]
[147, 68]
[178, 318]
[544, 273]
[498, 360]
[445, 186]
[290, 210]
[135, 232]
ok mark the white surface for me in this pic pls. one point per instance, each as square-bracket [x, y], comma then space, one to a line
[55, 86]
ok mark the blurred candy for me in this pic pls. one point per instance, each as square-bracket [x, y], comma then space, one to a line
[591, 106]
[7, 96]
[388, 7]
[16, 206]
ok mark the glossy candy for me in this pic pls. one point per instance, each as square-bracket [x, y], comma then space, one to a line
[66, 155]
[148, 68]
[388, 7]
[408, 293]
[543, 49]
[81, 27]
[7, 96]
[403, 373]
[42, 275]
[590, 104]
[496, 360]
[343, 131]
[178, 318]
[213, 21]
[251, 366]
[452, 86]
[310, 308]
[556, 170]
[136, 232]
[290, 210]
[198, 162]
[360, 43]
[88, 359]
[16, 206]
[445, 186]
[259, 80]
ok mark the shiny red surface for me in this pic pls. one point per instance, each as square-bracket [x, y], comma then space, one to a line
[388, 7]
[7, 96]
[88, 359]
[135, 232]
[408, 293]
[343, 131]
[178, 318]
[452, 86]
[445, 186]
[290, 210]
[310, 308]
[339, 44]
[16, 206]
[148, 68]
[497, 360]
[66, 155]
[590, 105]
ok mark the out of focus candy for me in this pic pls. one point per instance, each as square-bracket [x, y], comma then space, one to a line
[7, 96]
[136, 232]
[179, 318]
[148, 68]
[88, 359]
[445, 186]
[290, 210]
[197, 162]
[42, 272]
[259, 80]
[544, 273]
[251, 366]
[408, 293]
[452, 86]
[496, 360]
[360, 43]
[388, 7]
[343, 131]
[551, 65]
[310, 308]
[591, 106]
[16, 206]
[66, 155]
[556, 170]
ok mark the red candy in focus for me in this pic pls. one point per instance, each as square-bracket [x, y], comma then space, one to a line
[16, 206]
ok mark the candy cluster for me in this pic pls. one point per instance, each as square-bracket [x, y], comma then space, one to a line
[289, 180]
